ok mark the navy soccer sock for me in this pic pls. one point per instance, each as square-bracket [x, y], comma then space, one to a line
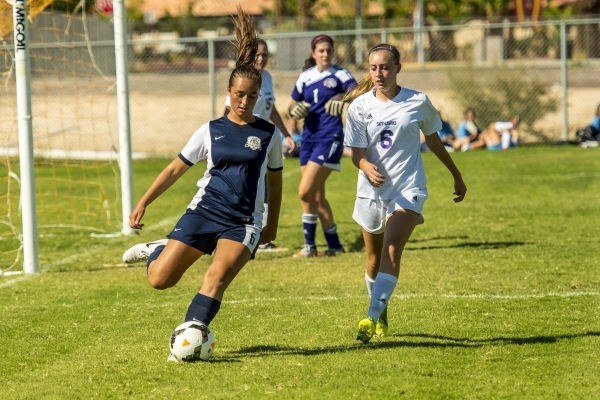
[309, 223]
[332, 238]
[203, 309]
[154, 255]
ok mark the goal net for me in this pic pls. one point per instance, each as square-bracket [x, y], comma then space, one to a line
[74, 114]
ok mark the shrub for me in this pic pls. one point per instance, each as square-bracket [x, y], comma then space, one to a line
[502, 94]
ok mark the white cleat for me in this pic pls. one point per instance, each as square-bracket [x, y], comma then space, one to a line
[172, 358]
[141, 251]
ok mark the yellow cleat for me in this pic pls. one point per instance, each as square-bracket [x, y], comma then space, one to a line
[381, 330]
[366, 330]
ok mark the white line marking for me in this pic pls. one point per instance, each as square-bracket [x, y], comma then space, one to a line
[401, 297]
[16, 280]
[421, 296]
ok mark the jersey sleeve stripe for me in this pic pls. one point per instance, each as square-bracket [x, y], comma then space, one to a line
[185, 160]
[274, 169]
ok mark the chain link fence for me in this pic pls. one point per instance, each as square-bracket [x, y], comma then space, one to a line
[546, 73]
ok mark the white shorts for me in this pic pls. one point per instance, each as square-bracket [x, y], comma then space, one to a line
[372, 214]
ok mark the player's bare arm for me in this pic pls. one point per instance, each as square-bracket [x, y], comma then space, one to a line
[274, 193]
[278, 122]
[163, 181]
[437, 147]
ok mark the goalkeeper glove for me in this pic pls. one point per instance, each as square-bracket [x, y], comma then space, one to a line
[299, 110]
[335, 107]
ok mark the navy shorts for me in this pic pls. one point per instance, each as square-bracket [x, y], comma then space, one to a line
[327, 154]
[202, 233]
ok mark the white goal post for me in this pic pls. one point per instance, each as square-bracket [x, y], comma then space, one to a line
[25, 128]
[120, 25]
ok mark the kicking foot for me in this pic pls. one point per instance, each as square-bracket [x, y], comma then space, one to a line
[141, 251]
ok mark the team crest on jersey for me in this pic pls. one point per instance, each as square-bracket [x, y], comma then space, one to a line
[330, 83]
[254, 143]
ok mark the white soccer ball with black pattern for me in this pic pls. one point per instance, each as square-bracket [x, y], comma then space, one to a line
[192, 341]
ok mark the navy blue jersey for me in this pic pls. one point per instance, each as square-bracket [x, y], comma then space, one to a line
[232, 188]
[317, 88]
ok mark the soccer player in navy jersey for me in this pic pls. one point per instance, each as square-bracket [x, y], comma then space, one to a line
[265, 109]
[383, 129]
[317, 98]
[225, 215]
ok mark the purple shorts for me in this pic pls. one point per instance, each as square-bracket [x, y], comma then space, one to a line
[327, 154]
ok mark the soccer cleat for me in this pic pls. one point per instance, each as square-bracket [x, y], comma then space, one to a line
[141, 251]
[381, 329]
[172, 358]
[267, 247]
[366, 330]
[307, 251]
[333, 252]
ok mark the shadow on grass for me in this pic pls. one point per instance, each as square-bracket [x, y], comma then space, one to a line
[438, 238]
[502, 339]
[414, 340]
[479, 245]
[359, 245]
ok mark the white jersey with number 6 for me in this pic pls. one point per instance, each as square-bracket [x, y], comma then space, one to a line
[266, 99]
[389, 131]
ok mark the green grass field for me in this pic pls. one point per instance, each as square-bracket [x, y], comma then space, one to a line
[499, 298]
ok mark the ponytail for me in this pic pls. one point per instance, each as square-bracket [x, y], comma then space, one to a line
[246, 44]
[364, 85]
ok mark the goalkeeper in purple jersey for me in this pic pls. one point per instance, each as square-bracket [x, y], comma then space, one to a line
[317, 99]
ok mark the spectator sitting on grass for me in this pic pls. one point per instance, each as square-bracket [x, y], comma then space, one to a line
[467, 132]
[500, 135]
[590, 135]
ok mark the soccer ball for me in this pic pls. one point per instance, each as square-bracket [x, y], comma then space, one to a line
[192, 341]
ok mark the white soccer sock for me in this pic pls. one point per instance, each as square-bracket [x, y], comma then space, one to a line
[265, 215]
[369, 281]
[382, 292]
[506, 137]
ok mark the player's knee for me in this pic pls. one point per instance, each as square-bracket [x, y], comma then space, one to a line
[306, 195]
[158, 279]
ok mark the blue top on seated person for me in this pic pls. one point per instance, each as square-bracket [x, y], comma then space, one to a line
[446, 130]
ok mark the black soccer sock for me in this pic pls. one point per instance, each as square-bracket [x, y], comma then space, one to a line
[203, 309]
